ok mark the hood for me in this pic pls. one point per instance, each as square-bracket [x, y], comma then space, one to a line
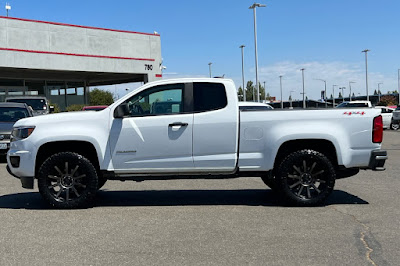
[63, 119]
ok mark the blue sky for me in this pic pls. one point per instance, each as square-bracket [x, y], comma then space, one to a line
[325, 37]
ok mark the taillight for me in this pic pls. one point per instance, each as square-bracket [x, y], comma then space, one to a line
[377, 130]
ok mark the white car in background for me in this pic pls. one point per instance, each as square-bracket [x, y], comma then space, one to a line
[254, 106]
[355, 104]
[387, 114]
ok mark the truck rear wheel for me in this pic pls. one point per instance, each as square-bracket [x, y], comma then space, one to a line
[306, 178]
[68, 180]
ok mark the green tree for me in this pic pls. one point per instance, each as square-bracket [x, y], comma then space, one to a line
[375, 92]
[388, 100]
[100, 97]
[56, 107]
[340, 94]
[250, 88]
[240, 94]
[74, 107]
[249, 91]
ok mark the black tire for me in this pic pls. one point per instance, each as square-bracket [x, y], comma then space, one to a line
[68, 180]
[394, 126]
[270, 181]
[306, 178]
[101, 182]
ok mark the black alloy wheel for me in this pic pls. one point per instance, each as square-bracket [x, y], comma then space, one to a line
[68, 180]
[306, 178]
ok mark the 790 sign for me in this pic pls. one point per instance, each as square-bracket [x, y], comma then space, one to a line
[148, 67]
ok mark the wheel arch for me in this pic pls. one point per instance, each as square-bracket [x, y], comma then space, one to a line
[323, 146]
[84, 148]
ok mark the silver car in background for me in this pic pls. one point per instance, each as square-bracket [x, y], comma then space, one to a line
[39, 104]
[396, 119]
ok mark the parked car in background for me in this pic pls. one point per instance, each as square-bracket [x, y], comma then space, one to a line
[94, 108]
[39, 104]
[355, 104]
[396, 119]
[254, 106]
[387, 114]
[9, 114]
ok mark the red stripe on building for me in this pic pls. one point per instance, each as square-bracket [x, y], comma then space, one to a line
[71, 54]
[158, 75]
[78, 26]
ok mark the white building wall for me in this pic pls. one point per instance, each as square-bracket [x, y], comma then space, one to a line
[55, 46]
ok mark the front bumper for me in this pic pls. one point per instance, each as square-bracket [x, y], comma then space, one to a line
[21, 162]
[26, 182]
[377, 160]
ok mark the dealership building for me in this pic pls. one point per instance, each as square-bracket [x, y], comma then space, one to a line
[60, 61]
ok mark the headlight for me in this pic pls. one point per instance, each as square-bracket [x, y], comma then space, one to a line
[19, 133]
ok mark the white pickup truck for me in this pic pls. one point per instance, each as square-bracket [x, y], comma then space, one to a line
[192, 128]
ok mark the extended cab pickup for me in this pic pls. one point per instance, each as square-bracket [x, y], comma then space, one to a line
[192, 128]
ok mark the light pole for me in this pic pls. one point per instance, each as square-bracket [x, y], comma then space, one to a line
[326, 96]
[254, 6]
[304, 99]
[379, 92]
[280, 81]
[209, 68]
[398, 80]
[244, 89]
[333, 87]
[366, 71]
[8, 7]
[350, 87]
[342, 88]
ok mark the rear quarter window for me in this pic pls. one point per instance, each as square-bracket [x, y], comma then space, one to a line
[209, 96]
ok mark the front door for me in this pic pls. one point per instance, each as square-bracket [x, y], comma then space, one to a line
[157, 136]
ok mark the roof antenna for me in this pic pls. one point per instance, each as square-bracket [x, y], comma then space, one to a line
[8, 7]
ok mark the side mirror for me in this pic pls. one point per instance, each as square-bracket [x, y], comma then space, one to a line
[51, 108]
[121, 111]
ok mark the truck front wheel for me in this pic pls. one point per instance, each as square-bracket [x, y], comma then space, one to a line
[68, 180]
[270, 181]
[306, 178]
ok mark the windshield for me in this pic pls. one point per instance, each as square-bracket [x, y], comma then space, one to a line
[12, 114]
[36, 104]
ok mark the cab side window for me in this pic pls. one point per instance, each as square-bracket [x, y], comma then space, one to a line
[209, 96]
[159, 100]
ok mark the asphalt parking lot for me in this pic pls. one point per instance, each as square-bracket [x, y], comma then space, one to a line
[203, 222]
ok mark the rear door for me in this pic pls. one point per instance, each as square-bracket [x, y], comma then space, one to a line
[215, 128]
